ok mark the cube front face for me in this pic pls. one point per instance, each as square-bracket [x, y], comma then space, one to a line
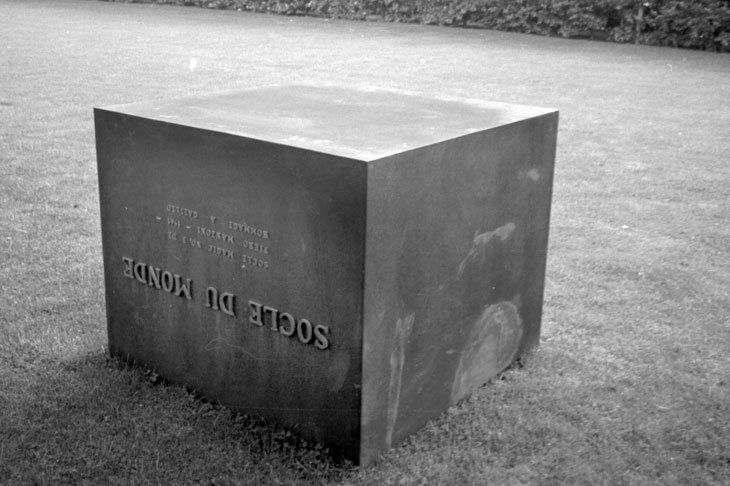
[350, 277]
[236, 267]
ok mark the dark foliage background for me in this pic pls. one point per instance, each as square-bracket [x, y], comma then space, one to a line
[696, 24]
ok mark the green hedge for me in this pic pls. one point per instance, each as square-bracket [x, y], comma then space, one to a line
[697, 24]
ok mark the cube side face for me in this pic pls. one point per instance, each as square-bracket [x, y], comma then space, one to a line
[236, 267]
[456, 253]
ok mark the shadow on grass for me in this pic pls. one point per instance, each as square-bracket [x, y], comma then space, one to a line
[97, 420]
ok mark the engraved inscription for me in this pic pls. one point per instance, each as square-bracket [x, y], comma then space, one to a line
[250, 245]
[180, 210]
[216, 235]
[255, 262]
[190, 241]
[249, 230]
[220, 251]
[158, 278]
[263, 316]
[223, 302]
[246, 250]
[285, 324]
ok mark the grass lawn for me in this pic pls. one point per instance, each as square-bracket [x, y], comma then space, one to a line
[631, 382]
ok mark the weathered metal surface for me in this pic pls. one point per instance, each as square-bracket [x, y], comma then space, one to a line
[345, 262]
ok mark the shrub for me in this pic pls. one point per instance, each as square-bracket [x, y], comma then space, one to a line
[698, 24]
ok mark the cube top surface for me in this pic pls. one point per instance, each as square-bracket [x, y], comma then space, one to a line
[361, 124]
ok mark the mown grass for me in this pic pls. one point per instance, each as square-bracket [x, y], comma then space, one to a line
[631, 382]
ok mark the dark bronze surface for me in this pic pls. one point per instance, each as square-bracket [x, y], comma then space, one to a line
[345, 262]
